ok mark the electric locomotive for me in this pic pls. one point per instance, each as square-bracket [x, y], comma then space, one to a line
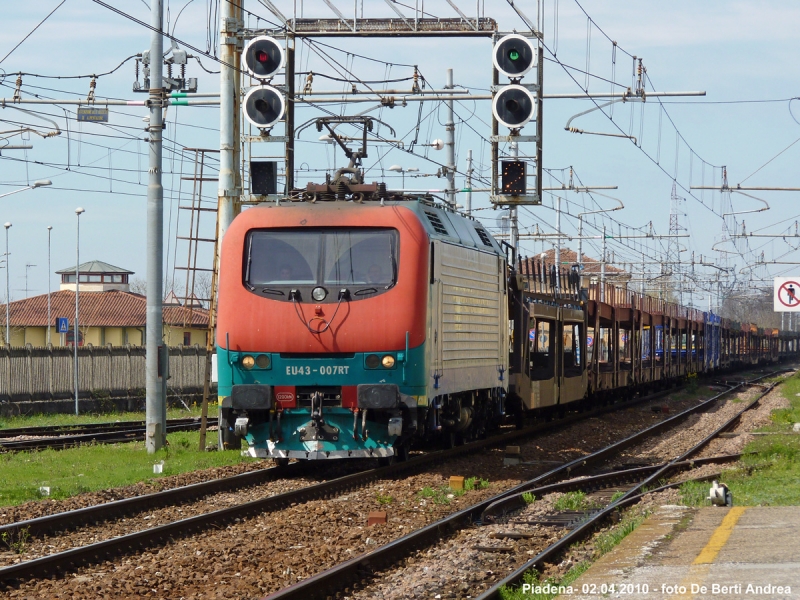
[347, 329]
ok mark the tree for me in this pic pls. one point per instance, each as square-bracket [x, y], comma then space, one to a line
[138, 285]
[751, 306]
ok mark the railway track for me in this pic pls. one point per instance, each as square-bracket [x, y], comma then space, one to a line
[67, 436]
[343, 579]
[71, 559]
[140, 540]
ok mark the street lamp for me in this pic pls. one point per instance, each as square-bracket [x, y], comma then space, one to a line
[8, 291]
[399, 169]
[35, 184]
[49, 319]
[75, 332]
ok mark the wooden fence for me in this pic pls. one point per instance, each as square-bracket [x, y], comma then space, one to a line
[30, 373]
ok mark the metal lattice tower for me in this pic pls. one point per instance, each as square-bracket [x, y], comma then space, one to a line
[673, 263]
[728, 222]
[673, 251]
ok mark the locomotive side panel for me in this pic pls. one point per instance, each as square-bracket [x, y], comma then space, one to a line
[469, 320]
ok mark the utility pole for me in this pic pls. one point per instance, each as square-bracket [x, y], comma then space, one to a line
[450, 145]
[290, 97]
[603, 269]
[27, 267]
[49, 278]
[558, 245]
[468, 200]
[156, 410]
[641, 286]
[512, 210]
[228, 194]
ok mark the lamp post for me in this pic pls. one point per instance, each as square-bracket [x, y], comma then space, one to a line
[35, 184]
[8, 291]
[399, 169]
[76, 331]
[49, 318]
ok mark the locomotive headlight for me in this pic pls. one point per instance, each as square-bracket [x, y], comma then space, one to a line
[319, 294]
[373, 361]
[388, 361]
[263, 361]
[248, 362]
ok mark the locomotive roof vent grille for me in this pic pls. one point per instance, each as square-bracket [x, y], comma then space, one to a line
[483, 235]
[436, 223]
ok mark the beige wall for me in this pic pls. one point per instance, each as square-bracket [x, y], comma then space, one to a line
[100, 336]
[17, 336]
[173, 335]
[135, 336]
[37, 336]
[92, 335]
[115, 336]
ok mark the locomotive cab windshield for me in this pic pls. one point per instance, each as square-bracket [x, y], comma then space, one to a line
[284, 262]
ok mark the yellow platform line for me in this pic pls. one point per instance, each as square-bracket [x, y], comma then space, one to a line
[702, 564]
[720, 537]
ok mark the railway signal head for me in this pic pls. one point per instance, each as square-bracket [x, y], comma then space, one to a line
[514, 56]
[263, 57]
[513, 106]
[513, 176]
[263, 106]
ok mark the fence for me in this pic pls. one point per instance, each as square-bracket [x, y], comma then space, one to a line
[30, 373]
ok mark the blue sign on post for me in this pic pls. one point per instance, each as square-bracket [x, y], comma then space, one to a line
[62, 324]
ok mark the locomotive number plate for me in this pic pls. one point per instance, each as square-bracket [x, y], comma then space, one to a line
[323, 370]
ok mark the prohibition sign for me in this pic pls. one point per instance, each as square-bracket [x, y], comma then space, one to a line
[789, 294]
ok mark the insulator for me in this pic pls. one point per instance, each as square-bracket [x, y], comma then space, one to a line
[382, 191]
[309, 81]
[183, 71]
[341, 191]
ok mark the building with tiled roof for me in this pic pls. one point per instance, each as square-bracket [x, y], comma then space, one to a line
[108, 313]
[95, 276]
[591, 266]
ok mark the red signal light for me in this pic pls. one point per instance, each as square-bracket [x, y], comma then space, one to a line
[262, 56]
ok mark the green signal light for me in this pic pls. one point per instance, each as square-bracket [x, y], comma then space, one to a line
[513, 54]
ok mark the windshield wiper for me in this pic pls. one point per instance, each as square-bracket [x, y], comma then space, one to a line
[249, 260]
[273, 292]
[366, 291]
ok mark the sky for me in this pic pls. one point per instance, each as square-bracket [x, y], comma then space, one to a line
[741, 54]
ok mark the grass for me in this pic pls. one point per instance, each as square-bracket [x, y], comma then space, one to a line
[528, 498]
[573, 501]
[603, 543]
[16, 541]
[445, 493]
[383, 499]
[40, 420]
[607, 540]
[438, 495]
[475, 483]
[96, 467]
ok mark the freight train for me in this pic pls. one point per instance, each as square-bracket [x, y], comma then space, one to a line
[350, 329]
